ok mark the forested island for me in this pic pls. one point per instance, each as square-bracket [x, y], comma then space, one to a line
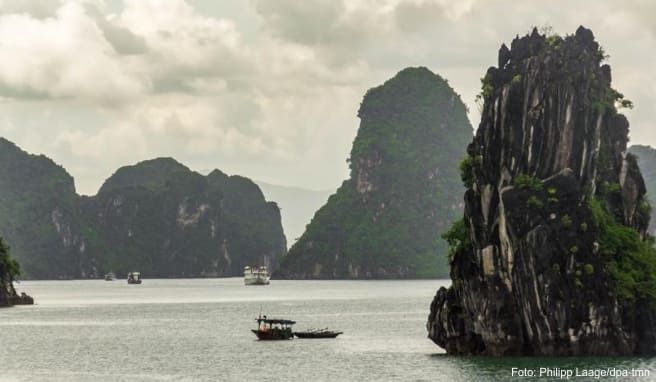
[403, 191]
[157, 217]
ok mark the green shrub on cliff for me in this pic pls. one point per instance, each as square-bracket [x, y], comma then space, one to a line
[487, 88]
[527, 182]
[534, 202]
[631, 261]
[12, 266]
[467, 167]
[566, 221]
[458, 238]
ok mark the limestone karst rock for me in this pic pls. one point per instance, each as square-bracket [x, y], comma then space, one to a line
[551, 257]
[157, 217]
[385, 220]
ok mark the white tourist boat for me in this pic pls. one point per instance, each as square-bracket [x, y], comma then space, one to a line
[256, 275]
[134, 278]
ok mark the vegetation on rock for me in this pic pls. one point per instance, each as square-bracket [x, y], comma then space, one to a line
[630, 260]
[8, 265]
[157, 217]
[9, 269]
[558, 260]
[385, 221]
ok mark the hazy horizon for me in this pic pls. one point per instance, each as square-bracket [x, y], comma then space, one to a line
[266, 91]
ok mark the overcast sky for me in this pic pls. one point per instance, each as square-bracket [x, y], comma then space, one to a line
[268, 89]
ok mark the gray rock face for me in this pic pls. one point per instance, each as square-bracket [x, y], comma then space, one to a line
[534, 281]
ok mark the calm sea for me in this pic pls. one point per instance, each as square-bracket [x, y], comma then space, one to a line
[199, 330]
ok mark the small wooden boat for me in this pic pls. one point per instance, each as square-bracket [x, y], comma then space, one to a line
[134, 278]
[269, 329]
[318, 333]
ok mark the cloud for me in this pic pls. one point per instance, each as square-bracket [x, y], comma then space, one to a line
[122, 39]
[185, 45]
[267, 89]
[36, 9]
[336, 31]
[60, 57]
[642, 11]
[80, 52]
[305, 22]
[414, 17]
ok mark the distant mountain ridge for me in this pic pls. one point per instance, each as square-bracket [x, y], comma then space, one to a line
[646, 156]
[157, 217]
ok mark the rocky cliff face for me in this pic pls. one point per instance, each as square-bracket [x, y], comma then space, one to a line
[39, 213]
[165, 220]
[646, 156]
[157, 217]
[384, 221]
[551, 257]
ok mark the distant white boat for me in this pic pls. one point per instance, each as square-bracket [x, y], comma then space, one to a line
[256, 275]
[110, 276]
[134, 278]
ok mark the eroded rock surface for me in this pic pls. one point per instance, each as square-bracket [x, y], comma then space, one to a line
[539, 270]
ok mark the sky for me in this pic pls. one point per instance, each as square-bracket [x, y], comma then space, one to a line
[267, 89]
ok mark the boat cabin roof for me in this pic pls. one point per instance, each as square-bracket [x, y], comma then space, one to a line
[275, 321]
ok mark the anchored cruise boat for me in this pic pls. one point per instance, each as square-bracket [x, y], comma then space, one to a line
[256, 275]
[134, 278]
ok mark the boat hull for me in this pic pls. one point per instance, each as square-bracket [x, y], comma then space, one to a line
[310, 335]
[256, 281]
[273, 334]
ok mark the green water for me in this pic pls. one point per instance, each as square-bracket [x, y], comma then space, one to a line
[199, 330]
